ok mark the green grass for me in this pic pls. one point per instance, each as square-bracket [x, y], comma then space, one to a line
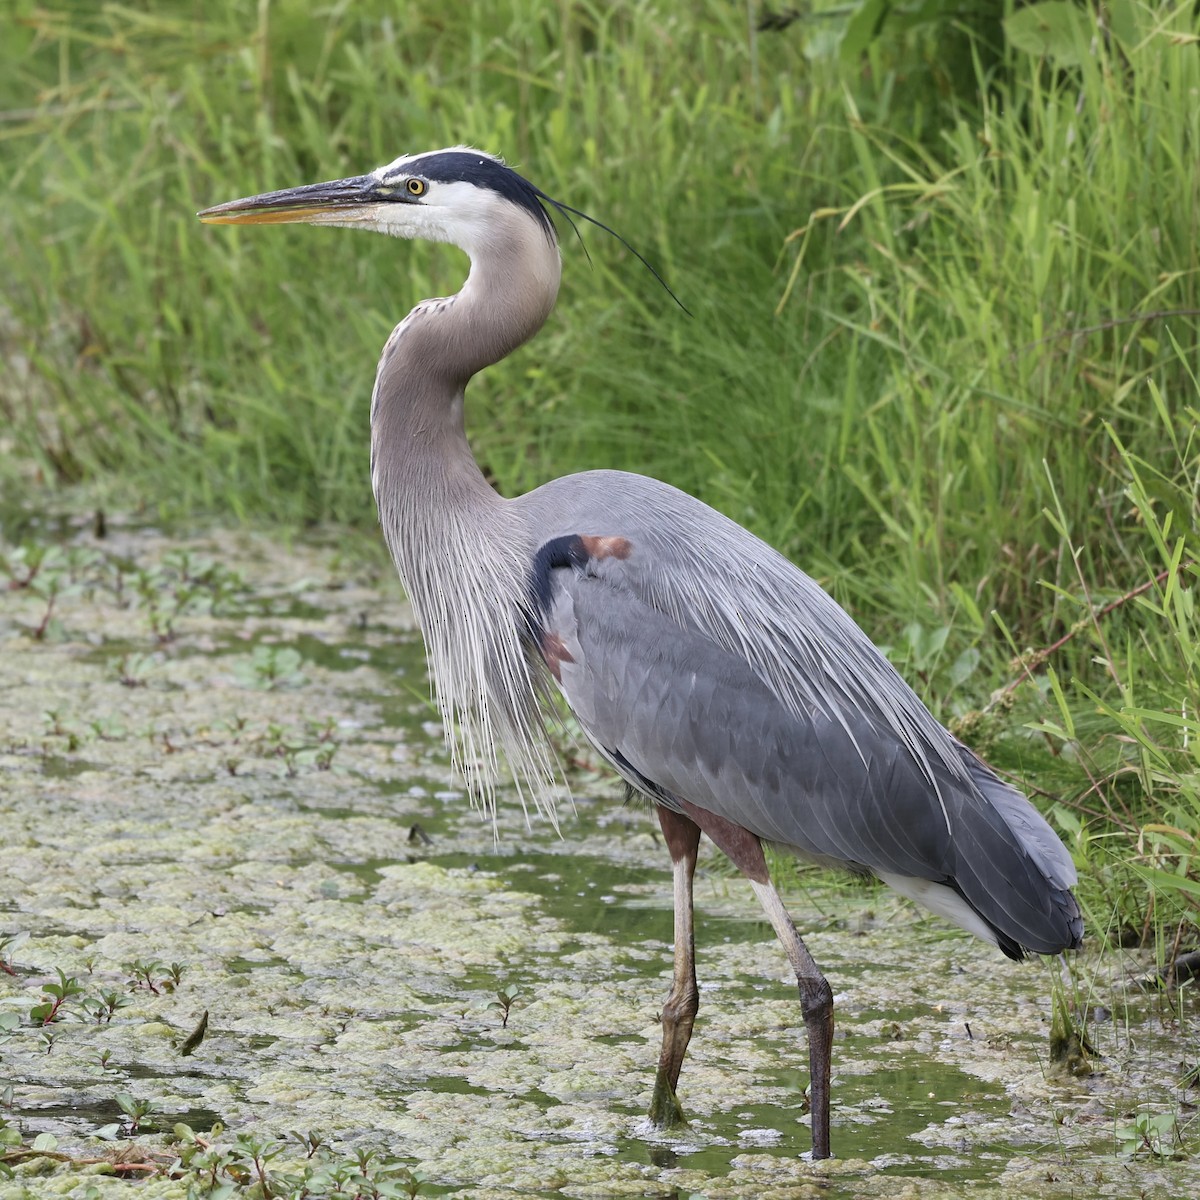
[943, 350]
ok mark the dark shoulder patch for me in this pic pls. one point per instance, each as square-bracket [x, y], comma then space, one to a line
[568, 551]
[572, 550]
[576, 552]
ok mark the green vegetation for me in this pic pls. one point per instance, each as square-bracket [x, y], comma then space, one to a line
[219, 1165]
[505, 998]
[945, 285]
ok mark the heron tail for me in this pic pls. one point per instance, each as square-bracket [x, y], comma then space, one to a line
[1020, 884]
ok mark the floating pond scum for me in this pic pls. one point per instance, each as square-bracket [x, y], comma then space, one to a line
[222, 791]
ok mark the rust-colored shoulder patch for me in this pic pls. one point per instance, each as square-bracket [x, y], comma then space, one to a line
[607, 547]
[555, 652]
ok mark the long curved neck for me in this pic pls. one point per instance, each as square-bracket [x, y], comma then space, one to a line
[460, 549]
[419, 452]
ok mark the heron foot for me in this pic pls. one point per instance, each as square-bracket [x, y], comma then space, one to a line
[665, 1109]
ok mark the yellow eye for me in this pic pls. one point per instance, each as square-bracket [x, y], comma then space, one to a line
[416, 187]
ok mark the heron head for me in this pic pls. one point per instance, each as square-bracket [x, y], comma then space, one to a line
[456, 195]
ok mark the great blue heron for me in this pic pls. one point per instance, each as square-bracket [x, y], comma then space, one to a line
[716, 678]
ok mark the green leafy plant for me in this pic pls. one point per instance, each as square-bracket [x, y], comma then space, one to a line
[271, 667]
[311, 747]
[505, 998]
[1154, 1135]
[103, 1007]
[309, 1142]
[136, 1110]
[10, 1139]
[152, 976]
[56, 995]
[8, 947]
[133, 669]
[262, 1167]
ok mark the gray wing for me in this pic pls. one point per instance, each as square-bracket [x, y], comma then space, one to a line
[725, 676]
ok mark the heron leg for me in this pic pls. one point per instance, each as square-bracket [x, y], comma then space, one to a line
[816, 1003]
[679, 1012]
[816, 997]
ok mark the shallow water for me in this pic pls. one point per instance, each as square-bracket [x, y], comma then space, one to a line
[285, 827]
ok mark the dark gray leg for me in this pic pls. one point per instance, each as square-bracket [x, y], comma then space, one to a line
[816, 1003]
[679, 1011]
[816, 998]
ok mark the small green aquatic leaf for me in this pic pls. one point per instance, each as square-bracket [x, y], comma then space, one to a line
[504, 1002]
[271, 667]
[8, 947]
[1155, 1135]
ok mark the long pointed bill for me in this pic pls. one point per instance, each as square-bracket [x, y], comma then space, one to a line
[335, 200]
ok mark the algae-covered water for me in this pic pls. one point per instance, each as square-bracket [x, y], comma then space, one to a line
[223, 793]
